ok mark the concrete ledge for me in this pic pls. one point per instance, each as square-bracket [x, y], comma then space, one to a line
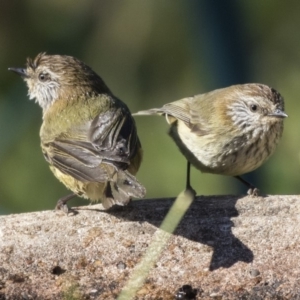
[226, 247]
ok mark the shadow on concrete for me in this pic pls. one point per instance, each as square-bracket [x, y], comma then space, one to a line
[208, 221]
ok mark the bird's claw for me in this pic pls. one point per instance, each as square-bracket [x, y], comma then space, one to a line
[253, 192]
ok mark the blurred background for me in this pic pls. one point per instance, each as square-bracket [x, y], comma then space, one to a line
[149, 53]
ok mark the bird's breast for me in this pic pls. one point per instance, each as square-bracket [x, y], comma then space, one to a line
[226, 154]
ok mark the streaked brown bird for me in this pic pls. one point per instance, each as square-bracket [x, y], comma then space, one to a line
[229, 131]
[88, 136]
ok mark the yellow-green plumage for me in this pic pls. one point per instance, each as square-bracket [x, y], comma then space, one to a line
[88, 136]
[66, 120]
[229, 131]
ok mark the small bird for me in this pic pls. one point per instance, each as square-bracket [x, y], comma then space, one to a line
[88, 136]
[229, 131]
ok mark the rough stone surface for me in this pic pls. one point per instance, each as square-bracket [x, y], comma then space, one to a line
[226, 247]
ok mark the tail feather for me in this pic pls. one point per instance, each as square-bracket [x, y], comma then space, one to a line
[153, 111]
[122, 189]
[159, 112]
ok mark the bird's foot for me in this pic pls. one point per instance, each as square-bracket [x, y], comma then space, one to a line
[253, 192]
[62, 204]
[191, 191]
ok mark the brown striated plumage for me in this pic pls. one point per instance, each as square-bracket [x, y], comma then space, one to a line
[88, 136]
[229, 131]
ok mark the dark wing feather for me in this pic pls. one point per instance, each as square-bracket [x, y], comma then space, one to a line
[110, 138]
[115, 132]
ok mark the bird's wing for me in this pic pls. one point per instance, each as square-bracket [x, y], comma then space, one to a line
[186, 110]
[87, 152]
[172, 111]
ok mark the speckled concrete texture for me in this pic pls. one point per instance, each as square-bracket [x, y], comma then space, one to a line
[226, 247]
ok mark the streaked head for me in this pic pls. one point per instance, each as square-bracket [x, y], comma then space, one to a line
[50, 77]
[254, 104]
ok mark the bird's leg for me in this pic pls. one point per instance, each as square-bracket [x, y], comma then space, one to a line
[253, 191]
[62, 203]
[188, 182]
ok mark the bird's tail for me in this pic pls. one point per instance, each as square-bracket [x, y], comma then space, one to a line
[122, 188]
[153, 111]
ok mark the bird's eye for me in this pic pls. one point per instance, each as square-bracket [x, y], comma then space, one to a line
[43, 77]
[253, 107]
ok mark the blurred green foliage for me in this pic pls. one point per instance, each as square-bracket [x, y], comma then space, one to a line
[148, 52]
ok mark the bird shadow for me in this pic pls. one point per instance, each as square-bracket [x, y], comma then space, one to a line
[207, 221]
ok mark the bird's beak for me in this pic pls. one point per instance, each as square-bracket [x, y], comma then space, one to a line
[278, 113]
[20, 71]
